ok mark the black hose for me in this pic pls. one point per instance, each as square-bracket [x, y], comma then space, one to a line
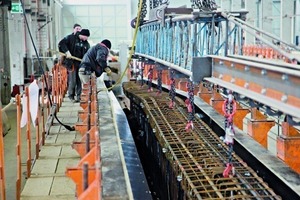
[70, 128]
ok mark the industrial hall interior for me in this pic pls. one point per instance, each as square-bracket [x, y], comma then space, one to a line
[150, 99]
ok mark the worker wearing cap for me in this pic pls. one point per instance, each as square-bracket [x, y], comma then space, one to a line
[74, 46]
[95, 61]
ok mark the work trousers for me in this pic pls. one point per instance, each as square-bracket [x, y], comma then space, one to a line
[74, 85]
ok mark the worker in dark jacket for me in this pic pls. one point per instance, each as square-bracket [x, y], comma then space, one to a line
[95, 61]
[74, 46]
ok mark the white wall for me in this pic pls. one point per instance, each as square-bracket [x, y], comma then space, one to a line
[105, 19]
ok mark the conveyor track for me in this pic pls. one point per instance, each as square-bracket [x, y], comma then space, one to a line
[199, 156]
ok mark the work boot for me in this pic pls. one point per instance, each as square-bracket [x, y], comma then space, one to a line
[72, 99]
[77, 99]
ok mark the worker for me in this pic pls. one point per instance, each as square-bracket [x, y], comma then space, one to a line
[74, 46]
[76, 28]
[95, 61]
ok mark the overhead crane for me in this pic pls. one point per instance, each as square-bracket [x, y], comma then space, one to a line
[200, 52]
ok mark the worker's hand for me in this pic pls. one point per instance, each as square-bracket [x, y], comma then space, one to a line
[108, 71]
[68, 54]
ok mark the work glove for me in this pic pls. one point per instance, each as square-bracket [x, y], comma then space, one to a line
[68, 54]
[108, 71]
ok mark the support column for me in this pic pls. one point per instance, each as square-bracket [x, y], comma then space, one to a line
[287, 11]
[288, 146]
[239, 116]
[217, 101]
[259, 126]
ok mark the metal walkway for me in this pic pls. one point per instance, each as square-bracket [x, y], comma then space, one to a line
[120, 180]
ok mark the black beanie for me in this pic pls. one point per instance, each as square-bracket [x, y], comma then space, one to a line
[106, 43]
[85, 32]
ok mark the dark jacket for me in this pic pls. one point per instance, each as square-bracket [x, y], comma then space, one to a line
[95, 59]
[76, 47]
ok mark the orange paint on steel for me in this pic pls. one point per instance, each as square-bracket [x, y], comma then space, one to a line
[165, 77]
[155, 74]
[217, 101]
[2, 164]
[28, 134]
[82, 114]
[274, 94]
[182, 85]
[239, 116]
[43, 111]
[288, 146]
[37, 134]
[76, 174]
[94, 190]
[255, 87]
[239, 82]
[80, 147]
[196, 89]
[18, 149]
[89, 158]
[294, 101]
[259, 126]
[226, 77]
[94, 105]
[82, 128]
[204, 93]
[93, 159]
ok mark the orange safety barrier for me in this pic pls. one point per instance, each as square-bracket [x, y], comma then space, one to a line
[58, 91]
[28, 134]
[2, 166]
[18, 148]
[94, 189]
[83, 147]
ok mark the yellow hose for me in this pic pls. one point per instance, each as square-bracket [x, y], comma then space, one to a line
[132, 45]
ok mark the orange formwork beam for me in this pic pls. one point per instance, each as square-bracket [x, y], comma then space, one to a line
[217, 101]
[76, 174]
[182, 85]
[83, 115]
[82, 147]
[94, 190]
[82, 127]
[288, 146]
[259, 126]
[239, 115]
[204, 93]
[84, 105]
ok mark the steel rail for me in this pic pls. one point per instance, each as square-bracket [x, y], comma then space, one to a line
[279, 67]
[267, 34]
[285, 108]
[167, 64]
[232, 18]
